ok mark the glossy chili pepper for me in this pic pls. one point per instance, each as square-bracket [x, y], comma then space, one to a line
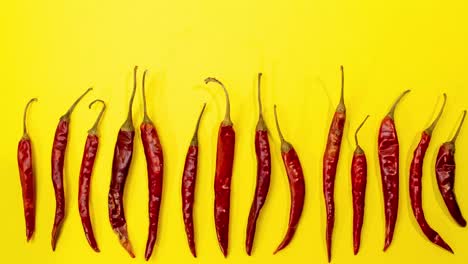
[154, 165]
[87, 164]
[123, 153]
[222, 185]
[26, 172]
[415, 184]
[445, 172]
[189, 178]
[293, 168]
[58, 157]
[330, 163]
[358, 182]
[389, 160]
[262, 150]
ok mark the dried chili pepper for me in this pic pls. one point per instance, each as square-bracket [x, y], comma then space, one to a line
[154, 165]
[87, 164]
[389, 160]
[262, 150]
[293, 168]
[189, 178]
[358, 182]
[330, 162]
[58, 157]
[222, 185]
[445, 172]
[26, 172]
[123, 153]
[415, 184]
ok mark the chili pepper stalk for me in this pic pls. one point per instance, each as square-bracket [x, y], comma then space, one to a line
[415, 184]
[445, 175]
[330, 163]
[123, 154]
[389, 161]
[26, 172]
[58, 157]
[262, 151]
[188, 186]
[86, 170]
[358, 182]
[224, 163]
[155, 166]
[295, 174]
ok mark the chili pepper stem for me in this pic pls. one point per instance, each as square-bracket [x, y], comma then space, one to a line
[25, 130]
[341, 105]
[93, 130]
[436, 120]
[261, 126]
[459, 128]
[128, 124]
[66, 116]
[146, 118]
[391, 113]
[194, 141]
[285, 146]
[227, 118]
[358, 148]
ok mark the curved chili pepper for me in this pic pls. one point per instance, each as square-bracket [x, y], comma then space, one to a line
[58, 156]
[389, 160]
[445, 172]
[296, 186]
[154, 165]
[222, 185]
[87, 164]
[26, 172]
[415, 184]
[359, 182]
[123, 153]
[262, 150]
[189, 178]
[330, 162]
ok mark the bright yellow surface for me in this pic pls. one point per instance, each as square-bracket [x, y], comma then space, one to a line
[55, 51]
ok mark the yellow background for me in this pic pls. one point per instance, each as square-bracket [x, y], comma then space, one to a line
[55, 50]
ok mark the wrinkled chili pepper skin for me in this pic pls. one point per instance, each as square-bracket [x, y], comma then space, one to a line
[222, 185]
[445, 172]
[297, 191]
[330, 162]
[415, 189]
[189, 178]
[389, 159]
[154, 165]
[359, 182]
[123, 153]
[58, 157]
[87, 164]
[262, 151]
[26, 171]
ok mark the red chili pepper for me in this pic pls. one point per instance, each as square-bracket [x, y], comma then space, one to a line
[154, 165]
[26, 171]
[296, 186]
[389, 160]
[415, 184]
[222, 185]
[445, 172]
[359, 182]
[87, 164]
[58, 156]
[330, 162]
[189, 178]
[262, 150]
[123, 153]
